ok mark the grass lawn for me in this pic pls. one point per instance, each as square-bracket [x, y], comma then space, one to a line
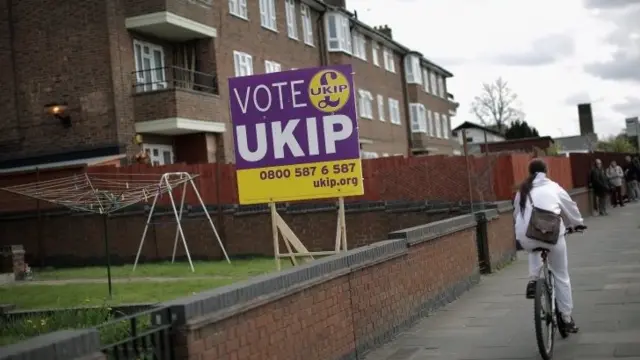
[238, 269]
[219, 273]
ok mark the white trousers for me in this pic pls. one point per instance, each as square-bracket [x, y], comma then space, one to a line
[559, 266]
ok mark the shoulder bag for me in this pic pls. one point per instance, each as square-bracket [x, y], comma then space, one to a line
[544, 225]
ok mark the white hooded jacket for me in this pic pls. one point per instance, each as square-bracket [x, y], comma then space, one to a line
[547, 195]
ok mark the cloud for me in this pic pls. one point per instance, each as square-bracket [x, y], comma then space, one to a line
[543, 51]
[578, 98]
[629, 107]
[608, 4]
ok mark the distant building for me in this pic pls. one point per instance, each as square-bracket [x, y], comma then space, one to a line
[475, 133]
[576, 144]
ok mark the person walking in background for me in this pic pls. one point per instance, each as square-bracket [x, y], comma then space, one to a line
[631, 176]
[600, 184]
[615, 176]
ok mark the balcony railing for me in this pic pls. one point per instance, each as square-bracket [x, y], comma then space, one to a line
[172, 77]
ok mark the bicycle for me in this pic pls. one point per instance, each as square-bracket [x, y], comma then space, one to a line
[545, 295]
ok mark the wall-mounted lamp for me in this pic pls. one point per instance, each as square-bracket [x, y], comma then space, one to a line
[59, 111]
[137, 139]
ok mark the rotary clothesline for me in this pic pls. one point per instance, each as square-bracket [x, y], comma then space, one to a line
[100, 193]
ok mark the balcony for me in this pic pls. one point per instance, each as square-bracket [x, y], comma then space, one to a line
[173, 20]
[176, 101]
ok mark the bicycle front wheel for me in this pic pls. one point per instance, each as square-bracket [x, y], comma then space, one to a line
[543, 317]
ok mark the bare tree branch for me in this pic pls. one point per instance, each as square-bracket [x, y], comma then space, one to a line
[496, 105]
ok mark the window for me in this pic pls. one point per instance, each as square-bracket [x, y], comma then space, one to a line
[338, 33]
[394, 111]
[375, 50]
[149, 66]
[412, 69]
[385, 154]
[292, 24]
[438, 124]
[389, 63]
[359, 46]
[380, 100]
[441, 89]
[434, 84]
[243, 63]
[307, 25]
[368, 155]
[159, 154]
[365, 104]
[445, 126]
[418, 116]
[268, 14]
[430, 125]
[271, 67]
[425, 80]
[238, 8]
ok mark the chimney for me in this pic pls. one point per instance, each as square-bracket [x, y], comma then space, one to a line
[585, 117]
[385, 29]
[337, 3]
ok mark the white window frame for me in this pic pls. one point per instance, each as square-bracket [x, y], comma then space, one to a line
[154, 77]
[365, 104]
[431, 130]
[368, 154]
[441, 89]
[412, 69]
[338, 38]
[375, 53]
[359, 43]
[158, 160]
[389, 61]
[238, 8]
[418, 115]
[425, 80]
[434, 83]
[307, 24]
[436, 120]
[292, 23]
[268, 15]
[445, 126]
[381, 113]
[394, 111]
[272, 67]
[242, 63]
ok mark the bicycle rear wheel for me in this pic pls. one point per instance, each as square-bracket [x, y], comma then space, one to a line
[543, 317]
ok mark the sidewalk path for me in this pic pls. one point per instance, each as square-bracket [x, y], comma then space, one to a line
[495, 321]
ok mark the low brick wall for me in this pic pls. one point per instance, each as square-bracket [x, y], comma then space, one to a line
[501, 235]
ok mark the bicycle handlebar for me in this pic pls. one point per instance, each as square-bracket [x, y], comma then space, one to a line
[575, 229]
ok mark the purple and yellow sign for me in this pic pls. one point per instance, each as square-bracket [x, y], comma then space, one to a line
[296, 135]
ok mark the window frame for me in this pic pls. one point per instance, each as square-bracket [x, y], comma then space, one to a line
[375, 53]
[418, 117]
[431, 129]
[365, 104]
[341, 40]
[291, 18]
[445, 126]
[394, 111]
[272, 67]
[243, 57]
[238, 8]
[157, 79]
[268, 15]
[425, 80]
[441, 88]
[381, 107]
[434, 83]
[438, 123]
[389, 60]
[359, 45]
[412, 69]
[307, 24]
[148, 148]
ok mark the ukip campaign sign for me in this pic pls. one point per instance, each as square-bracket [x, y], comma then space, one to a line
[296, 135]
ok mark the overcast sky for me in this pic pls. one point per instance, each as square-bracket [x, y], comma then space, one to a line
[553, 53]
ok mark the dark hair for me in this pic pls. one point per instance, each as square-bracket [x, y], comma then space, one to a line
[535, 166]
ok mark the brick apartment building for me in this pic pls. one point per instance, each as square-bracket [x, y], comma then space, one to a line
[81, 79]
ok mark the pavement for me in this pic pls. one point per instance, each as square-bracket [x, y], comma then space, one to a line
[495, 321]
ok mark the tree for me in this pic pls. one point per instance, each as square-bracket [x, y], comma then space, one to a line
[520, 130]
[617, 144]
[496, 105]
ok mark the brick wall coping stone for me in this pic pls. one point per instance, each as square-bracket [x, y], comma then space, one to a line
[59, 345]
[218, 304]
[421, 233]
[578, 191]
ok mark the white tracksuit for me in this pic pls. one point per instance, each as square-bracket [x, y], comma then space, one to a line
[548, 195]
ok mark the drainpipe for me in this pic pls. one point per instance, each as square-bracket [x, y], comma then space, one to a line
[405, 95]
[322, 44]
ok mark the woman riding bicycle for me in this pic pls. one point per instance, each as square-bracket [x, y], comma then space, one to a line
[550, 196]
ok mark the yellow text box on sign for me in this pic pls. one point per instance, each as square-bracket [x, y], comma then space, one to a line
[300, 182]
